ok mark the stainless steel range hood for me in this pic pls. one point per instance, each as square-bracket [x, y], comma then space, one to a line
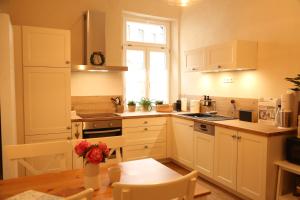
[94, 41]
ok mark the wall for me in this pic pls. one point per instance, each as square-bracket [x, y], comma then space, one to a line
[67, 14]
[275, 24]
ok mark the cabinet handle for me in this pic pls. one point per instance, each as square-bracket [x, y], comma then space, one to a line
[69, 138]
[219, 66]
[77, 135]
[67, 62]
[145, 122]
[233, 136]
[239, 137]
[191, 125]
[145, 129]
[68, 127]
[146, 147]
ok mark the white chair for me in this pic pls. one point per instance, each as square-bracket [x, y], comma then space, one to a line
[181, 188]
[86, 195]
[61, 152]
[114, 143]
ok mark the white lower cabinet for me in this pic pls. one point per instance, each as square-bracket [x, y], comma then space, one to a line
[145, 138]
[203, 153]
[182, 141]
[240, 162]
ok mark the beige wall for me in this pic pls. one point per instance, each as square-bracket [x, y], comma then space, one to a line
[275, 24]
[67, 14]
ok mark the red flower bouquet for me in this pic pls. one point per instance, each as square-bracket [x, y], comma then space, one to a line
[92, 153]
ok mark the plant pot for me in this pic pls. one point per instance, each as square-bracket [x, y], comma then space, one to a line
[146, 108]
[131, 108]
[92, 176]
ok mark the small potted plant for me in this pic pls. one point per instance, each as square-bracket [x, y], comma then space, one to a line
[159, 102]
[146, 104]
[93, 155]
[131, 106]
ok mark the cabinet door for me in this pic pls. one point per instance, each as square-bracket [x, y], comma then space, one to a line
[46, 47]
[221, 56]
[182, 146]
[225, 157]
[203, 153]
[195, 60]
[252, 164]
[47, 100]
[151, 150]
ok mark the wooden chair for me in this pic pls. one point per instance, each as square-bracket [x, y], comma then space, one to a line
[86, 195]
[181, 188]
[114, 143]
[60, 150]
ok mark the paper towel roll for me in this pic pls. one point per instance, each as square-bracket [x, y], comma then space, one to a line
[195, 106]
[287, 101]
[184, 104]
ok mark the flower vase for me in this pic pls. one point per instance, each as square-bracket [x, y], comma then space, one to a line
[91, 176]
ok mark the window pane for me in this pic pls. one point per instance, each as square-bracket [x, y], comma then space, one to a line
[158, 76]
[147, 33]
[136, 75]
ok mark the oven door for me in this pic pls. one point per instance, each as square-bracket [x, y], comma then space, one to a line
[101, 132]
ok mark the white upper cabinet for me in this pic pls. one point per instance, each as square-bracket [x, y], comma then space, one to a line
[46, 47]
[230, 56]
[47, 100]
[195, 60]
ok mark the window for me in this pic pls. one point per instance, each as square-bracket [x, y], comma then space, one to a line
[146, 54]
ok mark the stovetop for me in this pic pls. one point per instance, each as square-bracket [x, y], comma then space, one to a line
[208, 117]
[98, 116]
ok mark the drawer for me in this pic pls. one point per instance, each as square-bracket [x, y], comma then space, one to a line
[149, 150]
[153, 121]
[146, 134]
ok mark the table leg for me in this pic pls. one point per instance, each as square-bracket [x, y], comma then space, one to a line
[279, 183]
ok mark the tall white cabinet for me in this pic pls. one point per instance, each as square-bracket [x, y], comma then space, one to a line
[47, 91]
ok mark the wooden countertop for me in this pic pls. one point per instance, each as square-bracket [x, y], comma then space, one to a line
[255, 128]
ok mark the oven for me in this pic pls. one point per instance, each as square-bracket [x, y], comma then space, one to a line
[102, 128]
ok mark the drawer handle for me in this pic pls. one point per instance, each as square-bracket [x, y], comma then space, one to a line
[233, 136]
[145, 122]
[146, 146]
[145, 129]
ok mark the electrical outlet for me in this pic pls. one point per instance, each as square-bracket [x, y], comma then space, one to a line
[227, 80]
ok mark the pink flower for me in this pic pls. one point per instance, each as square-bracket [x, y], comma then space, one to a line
[104, 148]
[94, 155]
[82, 147]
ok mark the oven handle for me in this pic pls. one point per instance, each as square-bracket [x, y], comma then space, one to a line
[96, 132]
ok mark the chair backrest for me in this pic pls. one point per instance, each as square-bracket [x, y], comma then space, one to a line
[86, 195]
[60, 150]
[182, 187]
[114, 143]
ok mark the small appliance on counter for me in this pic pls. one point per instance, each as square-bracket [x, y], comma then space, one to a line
[293, 150]
[183, 104]
[177, 105]
[247, 115]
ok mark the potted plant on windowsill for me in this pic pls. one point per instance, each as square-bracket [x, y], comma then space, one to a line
[145, 103]
[131, 106]
[161, 107]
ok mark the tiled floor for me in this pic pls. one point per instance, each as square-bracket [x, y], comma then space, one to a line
[216, 192]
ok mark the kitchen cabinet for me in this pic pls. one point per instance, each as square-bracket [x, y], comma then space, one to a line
[47, 101]
[46, 47]
[225, 157]
[236, 55]
[195, 60]
[182, 141]
[204, 153]
[229, 56]
[240, 162]
[145, 137]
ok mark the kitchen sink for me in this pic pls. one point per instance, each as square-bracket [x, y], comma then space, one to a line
[207, 117]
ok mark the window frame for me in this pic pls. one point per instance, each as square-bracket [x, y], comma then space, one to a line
[147, 47]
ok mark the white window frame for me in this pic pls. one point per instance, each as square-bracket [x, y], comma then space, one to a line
[147, 47]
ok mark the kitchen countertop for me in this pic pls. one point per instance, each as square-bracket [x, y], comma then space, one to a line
[255, 128]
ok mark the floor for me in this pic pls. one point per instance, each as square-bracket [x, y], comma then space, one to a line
[217, 193]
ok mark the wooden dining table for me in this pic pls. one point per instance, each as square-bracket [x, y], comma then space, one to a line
[66, 183]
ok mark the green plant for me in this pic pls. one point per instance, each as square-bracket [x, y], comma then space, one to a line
[158, 102]
[131, 103]
[146, 103]
[295, 81]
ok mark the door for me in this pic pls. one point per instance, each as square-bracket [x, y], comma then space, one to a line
[182, 145]
[204, 153]
[252, 165]
[47, 100]
[46, 47]
[225, 156]
[221, 56]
